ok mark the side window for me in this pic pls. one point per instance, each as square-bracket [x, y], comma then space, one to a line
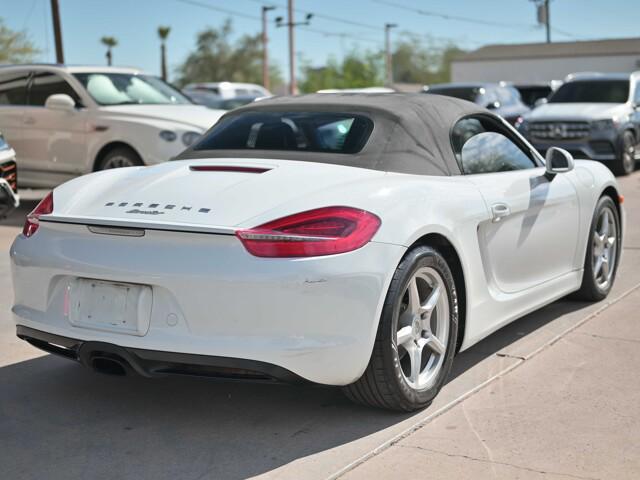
[13, 88]
[482, 145]
[636, 95]
[45, 84]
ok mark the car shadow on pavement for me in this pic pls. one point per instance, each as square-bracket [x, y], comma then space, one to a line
[59, 420]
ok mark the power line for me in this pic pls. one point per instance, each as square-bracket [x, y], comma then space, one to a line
[446, 16]
[208, 6]
[322, 15]
[235, 13]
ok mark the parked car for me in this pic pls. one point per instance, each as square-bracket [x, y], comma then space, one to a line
[211, 100]
[592, 115]
[536, 93]
[498, 97]
[229, 89]
[67, 121]
[9, 198]
[351, 240]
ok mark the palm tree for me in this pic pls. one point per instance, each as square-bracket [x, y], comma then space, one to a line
[109, 42]
[163, 33]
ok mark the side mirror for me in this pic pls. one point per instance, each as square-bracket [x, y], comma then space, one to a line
[541, 101]
[493, 105]
[558, 160]
[60, 101]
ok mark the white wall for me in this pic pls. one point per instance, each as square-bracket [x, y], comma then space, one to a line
[540, 69]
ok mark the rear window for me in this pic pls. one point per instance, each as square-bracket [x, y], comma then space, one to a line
[290, 131]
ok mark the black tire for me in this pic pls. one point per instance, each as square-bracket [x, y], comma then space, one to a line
[383, 384]
[590, 291]
[120, 157]
[625, 162]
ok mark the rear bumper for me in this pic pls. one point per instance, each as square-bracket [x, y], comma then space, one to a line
[151, 363]
[315, 317]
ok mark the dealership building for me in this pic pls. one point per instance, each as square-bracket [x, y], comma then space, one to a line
[545, 61]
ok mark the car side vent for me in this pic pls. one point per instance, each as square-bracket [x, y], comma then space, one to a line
[227, 168]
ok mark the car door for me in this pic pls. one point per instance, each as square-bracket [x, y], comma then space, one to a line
[532, 234]
[55, 140]
[13, 100]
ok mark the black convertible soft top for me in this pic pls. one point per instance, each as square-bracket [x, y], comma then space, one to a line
[411, 132]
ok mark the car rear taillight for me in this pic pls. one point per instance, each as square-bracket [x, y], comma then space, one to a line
[324, 231]
[32, 222]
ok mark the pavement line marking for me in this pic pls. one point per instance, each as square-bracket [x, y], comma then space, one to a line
[421, 423]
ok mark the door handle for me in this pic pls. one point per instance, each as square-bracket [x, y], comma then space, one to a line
[499, 211]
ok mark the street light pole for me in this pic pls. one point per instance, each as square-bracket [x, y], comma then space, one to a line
[265, 48]
[57, 30]
[389, 58]
[291, 24]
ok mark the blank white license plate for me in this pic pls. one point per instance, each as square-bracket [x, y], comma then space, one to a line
[109, 306]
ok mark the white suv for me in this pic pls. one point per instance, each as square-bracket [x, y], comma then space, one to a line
[66, 121]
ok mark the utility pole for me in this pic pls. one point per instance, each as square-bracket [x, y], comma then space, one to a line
[544, 16]
[291, 24]
[547, 20]
[57, 30]
[388, 55]
[265, 48]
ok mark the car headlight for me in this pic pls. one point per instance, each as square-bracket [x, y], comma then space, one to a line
[168, 135]
[189, 138]
[603, 125]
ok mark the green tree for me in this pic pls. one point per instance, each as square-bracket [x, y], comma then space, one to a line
[15, 47]
[109, 42]
[357, 69]
[218, 58]
[422, 61]
[163, 34]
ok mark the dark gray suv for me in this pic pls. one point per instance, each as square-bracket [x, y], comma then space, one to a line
[592, 115]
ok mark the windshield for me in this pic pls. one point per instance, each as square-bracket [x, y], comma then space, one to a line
[592, 91]
[294, 131]
[129, 89]
[464, 93]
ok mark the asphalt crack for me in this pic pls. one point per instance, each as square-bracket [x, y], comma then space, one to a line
[494, 462]
[507, 355]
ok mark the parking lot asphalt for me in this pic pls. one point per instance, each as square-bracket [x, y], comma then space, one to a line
[553, 395]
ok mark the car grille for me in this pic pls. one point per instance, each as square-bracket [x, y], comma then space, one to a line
[559, 130]
[9, 172]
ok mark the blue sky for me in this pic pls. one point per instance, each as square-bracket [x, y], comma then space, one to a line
[134, 24]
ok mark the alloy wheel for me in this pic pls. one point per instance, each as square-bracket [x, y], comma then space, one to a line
[118, 161]
[604, 248]
[423, 328]
[628, 154]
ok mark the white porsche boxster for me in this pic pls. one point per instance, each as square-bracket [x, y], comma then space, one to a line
[350, 240]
